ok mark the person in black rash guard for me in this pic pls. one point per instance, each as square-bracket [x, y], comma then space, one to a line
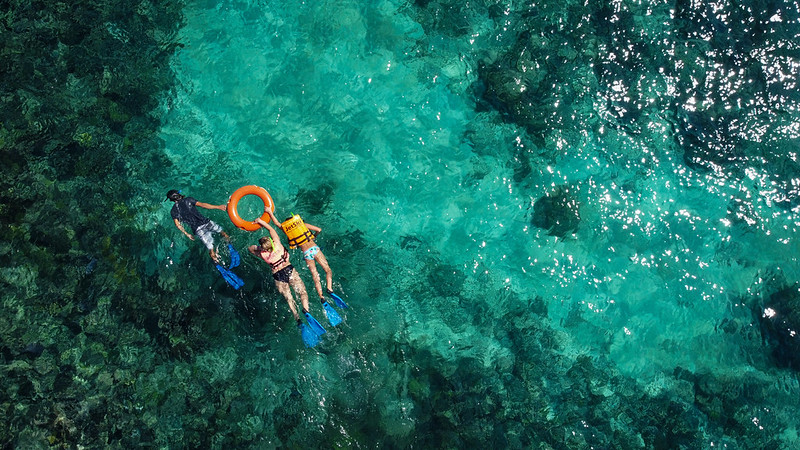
[185, 211]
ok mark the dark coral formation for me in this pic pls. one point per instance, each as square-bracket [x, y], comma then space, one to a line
[721, 78]
[557, 212]
[779, 317]
[79, 84]
[709, 115]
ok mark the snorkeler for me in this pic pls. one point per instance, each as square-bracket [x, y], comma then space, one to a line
[272, 252]
[185, 211]
[302, 235]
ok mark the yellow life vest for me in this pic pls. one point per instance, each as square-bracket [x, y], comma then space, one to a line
[296, 231]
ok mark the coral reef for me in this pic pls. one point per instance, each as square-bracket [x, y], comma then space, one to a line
[557, 213]
[101, 347]
[778, 313]
[77, 95]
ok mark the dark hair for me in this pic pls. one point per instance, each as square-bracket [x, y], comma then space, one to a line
[174, 195]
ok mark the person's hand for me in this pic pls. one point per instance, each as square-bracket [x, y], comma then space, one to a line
[260, 222]
[191, 238]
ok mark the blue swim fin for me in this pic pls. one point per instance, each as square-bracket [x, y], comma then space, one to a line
[233, 280]
[315, 326]
[309, 337]
[235, 260]
[238, 280]
[333, 317]
[339, 302]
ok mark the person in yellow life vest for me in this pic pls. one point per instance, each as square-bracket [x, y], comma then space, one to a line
[272, 252]
[303, 235]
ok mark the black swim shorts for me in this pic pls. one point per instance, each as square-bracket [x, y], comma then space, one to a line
[284, 274]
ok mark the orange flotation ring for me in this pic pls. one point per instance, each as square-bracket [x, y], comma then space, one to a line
[249, 190]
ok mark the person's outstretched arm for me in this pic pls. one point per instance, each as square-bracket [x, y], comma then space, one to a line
[272, 233]
[210, 206]
[273, 218]
[180, 227]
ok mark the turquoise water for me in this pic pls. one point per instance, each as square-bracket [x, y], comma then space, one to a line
[558, 225]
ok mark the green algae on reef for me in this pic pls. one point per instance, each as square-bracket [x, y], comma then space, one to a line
[80, 85]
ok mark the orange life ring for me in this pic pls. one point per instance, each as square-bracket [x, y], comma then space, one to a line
[249, 190]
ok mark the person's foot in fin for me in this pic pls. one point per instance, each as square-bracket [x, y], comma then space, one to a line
[314, 324]
[333, 317]
[235, 260]
[231, 278]
[239, 281]
[339, 302]
[310, 339]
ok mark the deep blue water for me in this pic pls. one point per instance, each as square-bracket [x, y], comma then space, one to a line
[558, 225]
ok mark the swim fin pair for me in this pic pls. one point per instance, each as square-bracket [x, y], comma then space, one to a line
[311, 332]
[231, 278]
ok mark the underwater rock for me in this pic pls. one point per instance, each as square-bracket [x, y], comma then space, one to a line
[557, 212]
[441, 17]
[33, 349]
[355, 373]
[779, 321]
[91, 266]
[63, 382]
[708, 141]
[314, 202]
[5, 354]
[410, 242]
[446, 280]
[538, 306]
[87, 304]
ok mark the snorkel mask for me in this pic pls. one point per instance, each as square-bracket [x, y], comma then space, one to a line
[174, 195]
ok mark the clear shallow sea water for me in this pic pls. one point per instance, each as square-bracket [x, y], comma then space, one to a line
[557, 226]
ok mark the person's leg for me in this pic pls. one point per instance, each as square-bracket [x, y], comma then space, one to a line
[315, 276]
[320, 257]
[299, 289]
[283, 288]
[211, 250]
